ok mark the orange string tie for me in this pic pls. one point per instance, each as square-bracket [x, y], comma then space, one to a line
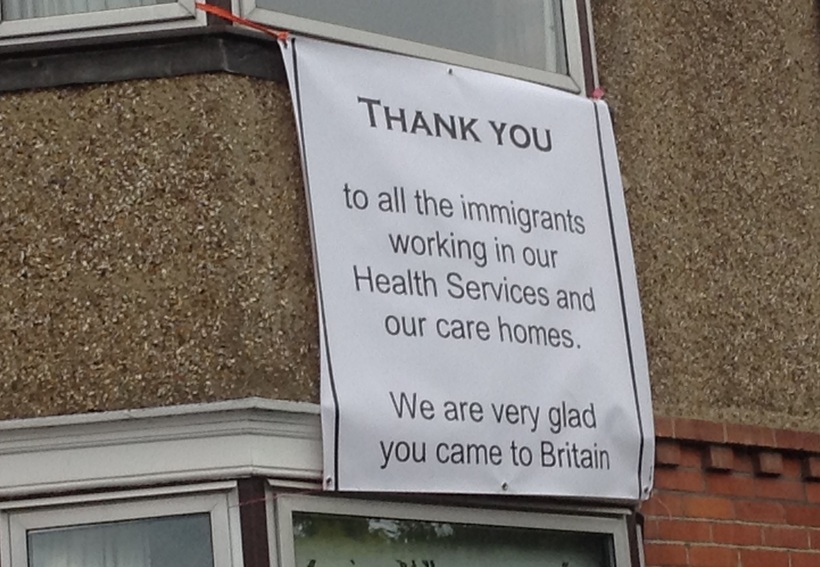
[281, 35]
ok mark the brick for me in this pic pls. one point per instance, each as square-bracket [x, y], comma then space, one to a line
[750, 435]
[763, 558]
[757, 511]
[792, 538]
[803, 516]
[664, 427]
[691, 456]
[792, 467]
[779, 489]
[708, 507]
[813, 492]
[681, 480]
[797, 440]
[664, 554]
[699, 430]
[768, 463]
[667, 454]
[719, 458]
[663, 504]
[730, 484]
[651, 530]
[804, 559]
[743, 461]
[814, 539]
[811, 468]
[737, 534]
[679, 530]
[712, 556]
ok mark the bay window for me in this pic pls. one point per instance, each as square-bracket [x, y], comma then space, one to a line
[171, 487]
[539, 40]
[27, 21]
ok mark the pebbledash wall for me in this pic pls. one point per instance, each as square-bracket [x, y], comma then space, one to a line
[154, 251]
[720, 150]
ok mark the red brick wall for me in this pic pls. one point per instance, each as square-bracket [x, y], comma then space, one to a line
[733, 496]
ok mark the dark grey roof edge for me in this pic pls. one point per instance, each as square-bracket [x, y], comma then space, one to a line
[219, 48]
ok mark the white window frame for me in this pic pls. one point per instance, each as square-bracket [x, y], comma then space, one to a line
[180, 14]
[219, 500]
[574, 81]
[190, 450]
[611, 523]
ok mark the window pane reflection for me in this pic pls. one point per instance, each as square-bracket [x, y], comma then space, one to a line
[175, 541]
[26, 9]
[324, 540]
[523, 32]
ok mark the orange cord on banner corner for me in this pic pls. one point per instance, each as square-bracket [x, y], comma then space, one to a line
[281, 35]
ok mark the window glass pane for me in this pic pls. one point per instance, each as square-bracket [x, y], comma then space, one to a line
[174, 541]
[524, 32]
[26, 9]
[324, 540]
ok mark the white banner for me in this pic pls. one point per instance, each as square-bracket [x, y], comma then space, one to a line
[481, 328]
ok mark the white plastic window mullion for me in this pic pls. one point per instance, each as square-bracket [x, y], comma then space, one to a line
[551, 39]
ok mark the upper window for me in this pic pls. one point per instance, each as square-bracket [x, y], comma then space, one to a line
[150, 528]
[24, 21]
[538, 40]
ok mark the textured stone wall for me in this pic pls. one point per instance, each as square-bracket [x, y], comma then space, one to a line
[154, 246]
[718, 128]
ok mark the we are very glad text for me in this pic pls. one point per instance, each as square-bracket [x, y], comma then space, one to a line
[555, 417]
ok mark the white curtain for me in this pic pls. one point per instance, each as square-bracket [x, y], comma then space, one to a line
[26, 9]
[114, 545]
[164, 541]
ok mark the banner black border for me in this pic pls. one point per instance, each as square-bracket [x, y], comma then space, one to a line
[320, 300]
[618, 272]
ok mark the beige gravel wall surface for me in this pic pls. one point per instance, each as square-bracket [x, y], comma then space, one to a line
[154, 245]
[718, 129]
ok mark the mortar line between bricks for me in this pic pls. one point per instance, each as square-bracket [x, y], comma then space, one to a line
[733, 522]
[736, 546]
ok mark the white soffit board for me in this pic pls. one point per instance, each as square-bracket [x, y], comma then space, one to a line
[150, 446]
